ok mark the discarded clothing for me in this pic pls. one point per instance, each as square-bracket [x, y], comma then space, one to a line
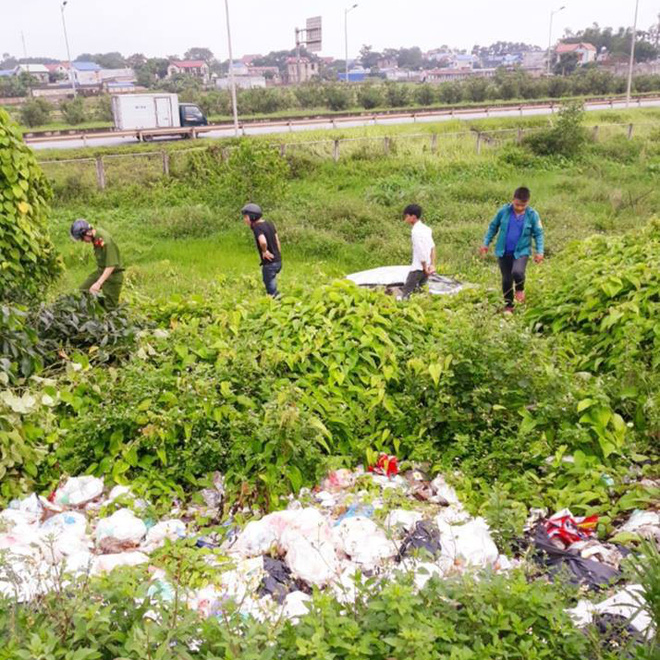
[278, 582]
[386, 465]
[425, 537]
[569, 529]
[582, 571]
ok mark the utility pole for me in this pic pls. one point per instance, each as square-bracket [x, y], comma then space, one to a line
[72, 75]
[232, 81]
[632, 55]
[347, 11]
[552, 15]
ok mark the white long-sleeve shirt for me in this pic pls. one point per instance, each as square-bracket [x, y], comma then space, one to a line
[422, 244]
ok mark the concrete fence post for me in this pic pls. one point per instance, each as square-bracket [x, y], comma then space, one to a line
[386, 145]
[595, 133]
[434, 143]
[100, 173]
[283, 149]
[520, 135]
[630, 131]
[166, 162]
[335, 151]
[478, 142]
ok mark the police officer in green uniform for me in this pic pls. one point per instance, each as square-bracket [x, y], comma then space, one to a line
[109, 276]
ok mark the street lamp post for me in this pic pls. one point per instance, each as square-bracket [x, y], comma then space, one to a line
[632, 55]
[72, 76]
[347, 11]
[232, 82]
[552, 15]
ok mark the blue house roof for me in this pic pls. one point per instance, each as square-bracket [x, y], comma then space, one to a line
[86, 66]
[5, 73]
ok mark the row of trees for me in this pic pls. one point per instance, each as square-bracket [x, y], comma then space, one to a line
[504, 86]
[337, 97]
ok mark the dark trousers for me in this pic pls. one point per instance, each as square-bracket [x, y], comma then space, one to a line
[269, 273]
[513, 275]
[415, 280]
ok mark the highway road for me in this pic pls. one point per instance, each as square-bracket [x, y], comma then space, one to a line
[276, 127]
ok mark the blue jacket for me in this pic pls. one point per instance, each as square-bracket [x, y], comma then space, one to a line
[532, 227]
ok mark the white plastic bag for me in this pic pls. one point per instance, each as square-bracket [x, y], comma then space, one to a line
[312, 559]
[470, 543]
[71, 523]
[122, 526]
[363, 541]
[402, 519]
[78, 491]
[107, 563]
[442, 489]
[171, 530]
[295, 605]
[623, 603]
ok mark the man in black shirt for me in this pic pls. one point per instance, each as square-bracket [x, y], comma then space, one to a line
[268, 245]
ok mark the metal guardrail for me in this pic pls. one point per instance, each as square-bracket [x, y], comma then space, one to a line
[193, 132]
[334, 146]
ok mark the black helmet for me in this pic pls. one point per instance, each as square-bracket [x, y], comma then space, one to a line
[253, 211]
[78, 229]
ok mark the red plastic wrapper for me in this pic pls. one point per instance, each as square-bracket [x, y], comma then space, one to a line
[570, 529]
[387, 465]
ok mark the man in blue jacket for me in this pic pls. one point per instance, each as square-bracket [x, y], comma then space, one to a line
[516, 224]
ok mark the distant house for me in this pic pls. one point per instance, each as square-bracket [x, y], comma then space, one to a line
[239, 68]
[586, 52]
[195, 68]
[248, 59]
[270, 73]
[87, 73]
[7, 73]
[308, 69]
[534, 62]
[38, 71]
[113, 87]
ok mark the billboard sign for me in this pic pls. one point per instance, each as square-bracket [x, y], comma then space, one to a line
[314, 34]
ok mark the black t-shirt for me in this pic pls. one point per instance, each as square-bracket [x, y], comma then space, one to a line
[267, 229]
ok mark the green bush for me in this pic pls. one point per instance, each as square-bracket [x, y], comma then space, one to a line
[566, 138]
[36, 112]
[73, 111]
[480, 619]
[30, 263]
[370, 96]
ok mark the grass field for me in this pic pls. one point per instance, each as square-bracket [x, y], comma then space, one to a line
[181, 233]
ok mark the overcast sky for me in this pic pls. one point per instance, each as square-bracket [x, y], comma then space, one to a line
[169, 27]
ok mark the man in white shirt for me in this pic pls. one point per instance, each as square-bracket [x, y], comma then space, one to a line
[423, 250]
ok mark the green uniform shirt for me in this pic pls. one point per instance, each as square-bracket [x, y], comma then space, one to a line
[106, 251]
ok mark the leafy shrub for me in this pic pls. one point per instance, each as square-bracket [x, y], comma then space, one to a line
[480, 619]
[36, 112]
[79, 321]
[30, 263]
[19, 356]
[103, 108]
[73, 111]
[608, 294]
[566, 138]
[338, 97]
[255, 172]
[370, 96]
[425, 94]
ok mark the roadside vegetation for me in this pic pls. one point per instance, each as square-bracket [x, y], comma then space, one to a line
[556, 407]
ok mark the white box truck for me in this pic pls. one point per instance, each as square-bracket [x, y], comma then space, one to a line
[154, 112]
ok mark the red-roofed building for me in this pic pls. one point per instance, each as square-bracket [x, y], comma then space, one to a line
[586, 52]
[196, 68]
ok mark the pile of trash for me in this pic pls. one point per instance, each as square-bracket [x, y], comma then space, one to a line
[356, 524]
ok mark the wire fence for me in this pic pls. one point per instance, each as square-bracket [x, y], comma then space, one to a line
[142, 167]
